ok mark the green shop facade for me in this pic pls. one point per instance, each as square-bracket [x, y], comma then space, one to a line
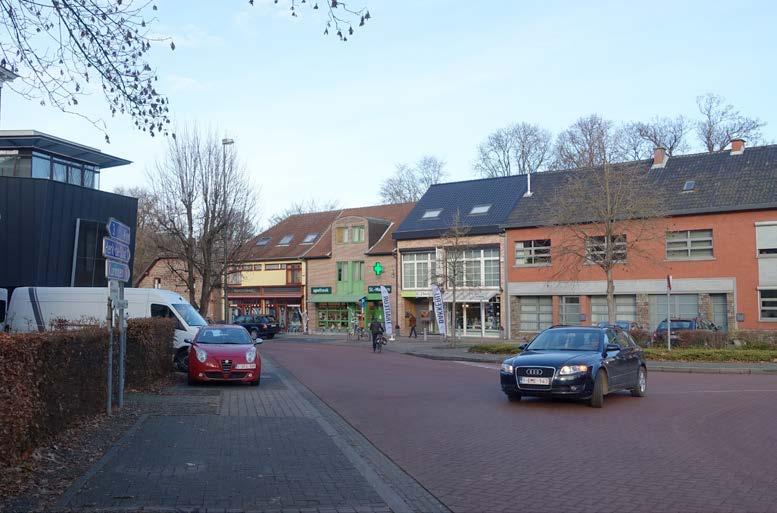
[337, 313]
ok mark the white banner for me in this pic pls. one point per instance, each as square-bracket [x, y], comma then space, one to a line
[388, 319]
[439, 309]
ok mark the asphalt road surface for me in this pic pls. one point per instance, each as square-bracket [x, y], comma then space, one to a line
[704, 443]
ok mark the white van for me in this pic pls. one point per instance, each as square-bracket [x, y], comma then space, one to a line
[38, 308]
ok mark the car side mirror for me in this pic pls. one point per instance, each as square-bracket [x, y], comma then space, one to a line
[187, 341]
[523, 347]
[612, 348]
[258, 342]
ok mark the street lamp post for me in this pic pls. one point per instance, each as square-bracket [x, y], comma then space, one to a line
[224, 143]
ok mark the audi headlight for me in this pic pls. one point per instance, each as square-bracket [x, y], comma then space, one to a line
[508, 368]
[201, 355]
[251, 355]
[573, 369]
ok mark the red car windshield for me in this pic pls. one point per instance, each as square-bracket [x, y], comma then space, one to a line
[224, 336]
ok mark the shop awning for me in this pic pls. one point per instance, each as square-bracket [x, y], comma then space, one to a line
[469, 296]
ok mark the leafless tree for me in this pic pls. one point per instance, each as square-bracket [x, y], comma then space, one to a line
[204, 204]
[341, 19]
[663, 131]
[450, 271]
[145, 228]
[580, 145]
[303, 207]
[410, 183]
[631, 144]
[721, 123]
[516, 149]
[604, 216]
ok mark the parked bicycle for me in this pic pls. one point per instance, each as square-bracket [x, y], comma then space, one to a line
[357, 333]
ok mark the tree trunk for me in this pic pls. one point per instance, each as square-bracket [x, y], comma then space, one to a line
[453, 315]
[610, 297]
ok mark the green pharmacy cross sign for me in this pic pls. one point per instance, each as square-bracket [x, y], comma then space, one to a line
[378, 268]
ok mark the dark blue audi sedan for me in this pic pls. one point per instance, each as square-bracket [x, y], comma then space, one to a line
[576, 362]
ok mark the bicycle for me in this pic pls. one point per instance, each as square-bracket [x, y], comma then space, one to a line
[381, 341]
[357, 332]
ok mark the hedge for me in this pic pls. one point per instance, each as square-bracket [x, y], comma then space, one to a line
[53, 379]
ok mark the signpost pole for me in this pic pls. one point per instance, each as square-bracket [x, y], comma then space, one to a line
[669, 312]
[122, 344]
[110, 358]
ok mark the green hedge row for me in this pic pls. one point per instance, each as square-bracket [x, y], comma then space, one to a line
[52, 379]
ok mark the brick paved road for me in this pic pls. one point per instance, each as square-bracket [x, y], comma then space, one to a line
[701, 443]
[275, 448]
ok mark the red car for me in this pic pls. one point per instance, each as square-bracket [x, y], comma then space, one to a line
[224, 353]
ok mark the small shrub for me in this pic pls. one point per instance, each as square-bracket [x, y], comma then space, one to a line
[756, 339]
[698, 354]
[702, 338]
[641, 337]
[495, 348]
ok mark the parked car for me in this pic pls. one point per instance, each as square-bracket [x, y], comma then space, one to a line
[224, 353]
[679, 326]
[624, 325]
[259, 326]
[576, 362]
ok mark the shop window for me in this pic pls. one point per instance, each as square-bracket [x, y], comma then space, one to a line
[689, 244]
[332, 316]
[768, 303]
[532, 252]
[536, 313]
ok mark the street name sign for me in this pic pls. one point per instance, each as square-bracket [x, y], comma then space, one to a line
[117, 270]
[116, 250]
[118, 230]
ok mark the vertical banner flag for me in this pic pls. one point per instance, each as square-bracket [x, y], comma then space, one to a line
[388, 319]
[439, 310]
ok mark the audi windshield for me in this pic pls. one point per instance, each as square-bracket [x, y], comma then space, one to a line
[567, 340]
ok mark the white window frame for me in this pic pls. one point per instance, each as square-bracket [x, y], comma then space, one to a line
[765, 225]
[286, 240]
[532, 252]
[263, 241]
[310, 238]
[482, 259]
[274, 267]
[590, 254]
[479, 210]
[432, 213]
[761, 307]
[360, 230]
[412, 259]
[689, 239]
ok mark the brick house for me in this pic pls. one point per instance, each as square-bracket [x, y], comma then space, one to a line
[166, 273]
[271, 276]
[481, 207]
[720, 247]
[351, 262]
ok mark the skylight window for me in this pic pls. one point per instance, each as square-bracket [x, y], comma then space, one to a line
[689, 186]
[286, 240]
[479, 209]
[432, 214]
[263, 241]
[309, 238]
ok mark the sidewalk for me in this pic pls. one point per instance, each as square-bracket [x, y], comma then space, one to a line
[436, 349]
[275, 448]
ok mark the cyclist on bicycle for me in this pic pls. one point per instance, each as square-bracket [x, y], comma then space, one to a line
[376, 328]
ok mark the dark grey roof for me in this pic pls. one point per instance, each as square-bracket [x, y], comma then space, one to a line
[501, 193]
[34, 140]
[723, 183]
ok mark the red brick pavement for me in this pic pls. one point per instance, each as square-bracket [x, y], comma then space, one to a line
[701, 443]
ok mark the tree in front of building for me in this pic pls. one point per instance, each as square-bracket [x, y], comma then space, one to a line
[518, 149]
[203, 210]
[454, 242]
[720, 123]
[605, 217]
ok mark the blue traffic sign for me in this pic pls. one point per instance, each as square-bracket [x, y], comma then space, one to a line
[117, 270]
[116, 250]
[118, 230]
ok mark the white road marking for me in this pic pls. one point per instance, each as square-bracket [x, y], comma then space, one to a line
[723, 391]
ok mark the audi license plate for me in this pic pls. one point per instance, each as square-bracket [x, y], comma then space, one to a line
[525, 380]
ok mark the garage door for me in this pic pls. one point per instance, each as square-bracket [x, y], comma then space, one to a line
[684, 306]
[625, 308]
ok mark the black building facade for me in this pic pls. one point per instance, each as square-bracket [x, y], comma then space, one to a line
[52, 215]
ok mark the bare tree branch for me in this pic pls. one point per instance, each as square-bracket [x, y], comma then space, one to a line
[517, 149]
[410, 183]
[303, 207]
[590, 141]
[720, 123]
[666, 132]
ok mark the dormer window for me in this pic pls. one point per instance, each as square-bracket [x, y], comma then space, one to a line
[309, 238]
[432, 214]
[689, 186]
[479, 210]
[263, 241]
[286, 240]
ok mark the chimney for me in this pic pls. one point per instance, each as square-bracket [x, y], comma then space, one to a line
[659, 157]
[737, 146]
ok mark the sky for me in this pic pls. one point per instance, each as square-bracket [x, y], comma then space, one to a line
[313, 117]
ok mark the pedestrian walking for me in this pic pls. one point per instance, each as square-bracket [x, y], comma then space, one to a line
[376, 328]
[412, 322]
